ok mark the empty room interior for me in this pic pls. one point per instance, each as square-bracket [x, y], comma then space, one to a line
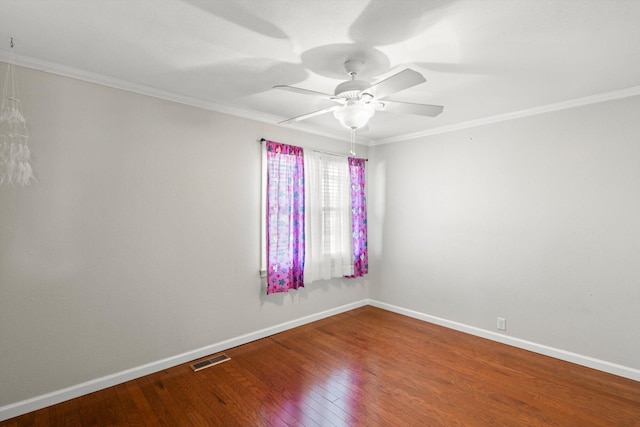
[492, 272]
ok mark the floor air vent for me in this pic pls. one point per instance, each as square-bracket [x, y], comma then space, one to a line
[198, 366]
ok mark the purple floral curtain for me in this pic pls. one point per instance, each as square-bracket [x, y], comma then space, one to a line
[359, 217]
[285, 217]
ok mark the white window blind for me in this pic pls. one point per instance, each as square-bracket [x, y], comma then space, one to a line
[328, 236]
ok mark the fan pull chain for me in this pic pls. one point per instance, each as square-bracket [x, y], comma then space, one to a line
[353, 141]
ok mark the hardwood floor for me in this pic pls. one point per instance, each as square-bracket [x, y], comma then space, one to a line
[366, 367]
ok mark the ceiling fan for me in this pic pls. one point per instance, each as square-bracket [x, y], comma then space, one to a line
[358, 100]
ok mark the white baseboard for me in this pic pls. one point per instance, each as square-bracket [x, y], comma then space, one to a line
[590, 362]
[58, 396]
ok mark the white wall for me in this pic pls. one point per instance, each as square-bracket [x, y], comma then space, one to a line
[536, 220]
[141, 239]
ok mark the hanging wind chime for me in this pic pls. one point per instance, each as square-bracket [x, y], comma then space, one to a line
[14, 138]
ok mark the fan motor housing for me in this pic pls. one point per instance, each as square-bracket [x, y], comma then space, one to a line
[351, 89]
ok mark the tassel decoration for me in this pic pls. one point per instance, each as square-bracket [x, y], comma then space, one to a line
[15, 153]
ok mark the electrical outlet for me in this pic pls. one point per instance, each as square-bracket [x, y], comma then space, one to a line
[502, 323]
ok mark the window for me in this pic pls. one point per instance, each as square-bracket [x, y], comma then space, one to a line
[314, 222]
[328, 217]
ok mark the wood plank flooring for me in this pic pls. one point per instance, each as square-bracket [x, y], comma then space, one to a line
[366, 367]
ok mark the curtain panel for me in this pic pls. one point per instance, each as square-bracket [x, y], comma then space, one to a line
[359, 217]
[285, 217]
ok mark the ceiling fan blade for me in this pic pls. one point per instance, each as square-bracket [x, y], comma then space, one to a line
[411, 108]
[400, 81]
[302, 91]
[309, 115]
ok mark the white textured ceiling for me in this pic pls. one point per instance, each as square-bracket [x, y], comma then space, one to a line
[481, 58]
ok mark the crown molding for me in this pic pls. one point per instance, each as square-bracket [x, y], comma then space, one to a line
[103, 80]
[100, 79]
[593, 99]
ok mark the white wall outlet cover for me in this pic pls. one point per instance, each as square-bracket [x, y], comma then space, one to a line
[502, 323]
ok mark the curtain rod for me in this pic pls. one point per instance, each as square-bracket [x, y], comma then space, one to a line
[320, 151]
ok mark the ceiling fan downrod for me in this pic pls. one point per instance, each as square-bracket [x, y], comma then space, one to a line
[351, 89]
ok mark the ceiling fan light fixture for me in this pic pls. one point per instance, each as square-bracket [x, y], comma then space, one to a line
[359, 100]
[354, 115]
